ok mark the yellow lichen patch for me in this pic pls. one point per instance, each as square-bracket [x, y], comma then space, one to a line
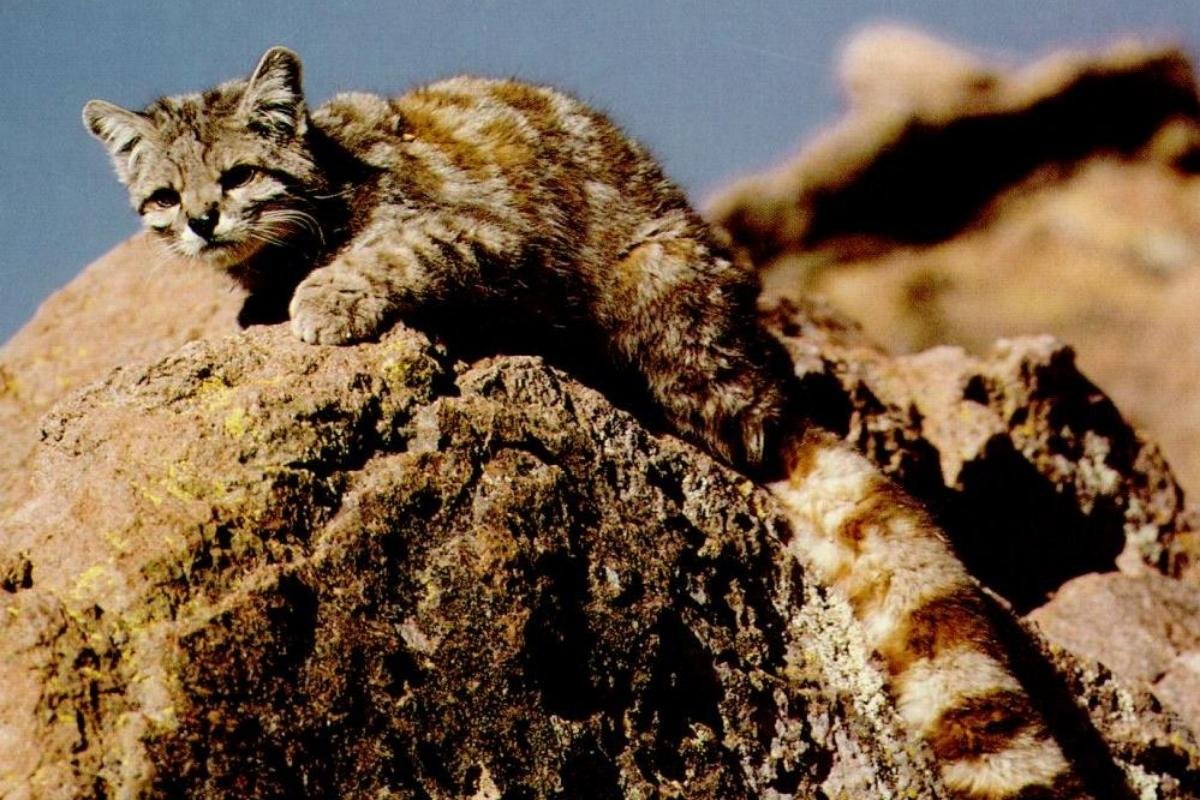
[93, 583]
[184, 485]
[8, 384]
[88, 580]
[237, 422]
[180, 485]
[165, 718]
[213, 392]
[145, 492]
[396, 370]
[92, 674]
[116, 541]
[177, 492]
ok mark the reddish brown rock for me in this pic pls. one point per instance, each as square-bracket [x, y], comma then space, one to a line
[1014, 450]
[254, 568]
[959, 201]
[133, 304]
[1145, 629]
[257, 568]
[933, 135]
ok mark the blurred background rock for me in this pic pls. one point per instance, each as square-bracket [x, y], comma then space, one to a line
[960, 200]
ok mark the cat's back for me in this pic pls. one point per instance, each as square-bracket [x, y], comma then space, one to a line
[468, 134]
[496, 112]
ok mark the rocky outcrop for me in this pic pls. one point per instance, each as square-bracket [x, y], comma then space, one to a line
[133, 304]
[261, 569]
[1016, 451]
[254, 568]
[960, 201]
[1144, 628]
[357, 572]
[934, 134]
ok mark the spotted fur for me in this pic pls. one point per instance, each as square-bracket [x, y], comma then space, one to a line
[496, 194]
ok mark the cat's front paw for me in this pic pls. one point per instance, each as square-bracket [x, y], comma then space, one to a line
[336, 308]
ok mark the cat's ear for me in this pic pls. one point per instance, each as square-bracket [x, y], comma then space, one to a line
[273, 102]
[120, 129]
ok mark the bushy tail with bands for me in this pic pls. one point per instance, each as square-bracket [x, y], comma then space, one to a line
[926, 619]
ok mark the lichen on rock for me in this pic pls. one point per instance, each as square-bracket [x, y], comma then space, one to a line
[257, 568]
[390, 578]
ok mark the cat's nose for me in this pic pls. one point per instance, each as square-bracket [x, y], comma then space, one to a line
[203, 226]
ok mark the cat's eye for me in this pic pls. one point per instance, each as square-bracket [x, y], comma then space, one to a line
[162, 198]
[237, 176]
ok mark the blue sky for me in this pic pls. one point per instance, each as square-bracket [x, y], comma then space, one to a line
[715, 88]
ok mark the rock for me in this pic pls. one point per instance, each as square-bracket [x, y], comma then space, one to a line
[961, 201]
[265, 569]
[934, 134]
[1145, 629]
[1136, 732]
[254, 568]
[133, 304]
[1015, 451]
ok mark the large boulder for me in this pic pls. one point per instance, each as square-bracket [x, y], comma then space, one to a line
[137, 302]
[248, 567]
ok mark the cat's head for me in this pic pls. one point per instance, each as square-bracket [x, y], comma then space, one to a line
[221, 174]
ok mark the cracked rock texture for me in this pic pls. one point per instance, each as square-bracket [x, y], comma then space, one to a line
[1016, 452]
[260, 569]
[960, 200]
[246, 567]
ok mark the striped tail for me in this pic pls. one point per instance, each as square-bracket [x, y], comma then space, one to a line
[926, 619]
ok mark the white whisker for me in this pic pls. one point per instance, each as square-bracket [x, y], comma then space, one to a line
[297, 218]
[342, 193]
[267, 238]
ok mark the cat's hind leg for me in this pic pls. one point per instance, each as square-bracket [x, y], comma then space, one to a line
[683, 315]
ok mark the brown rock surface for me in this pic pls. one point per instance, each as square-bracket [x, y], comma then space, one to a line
[262, 569]
[134, 303]
[960, 201]
[1015, 450]
[253, 568]
[1145, 629]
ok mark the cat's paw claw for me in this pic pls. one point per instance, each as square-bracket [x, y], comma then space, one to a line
[336, 309]
[313, 329]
